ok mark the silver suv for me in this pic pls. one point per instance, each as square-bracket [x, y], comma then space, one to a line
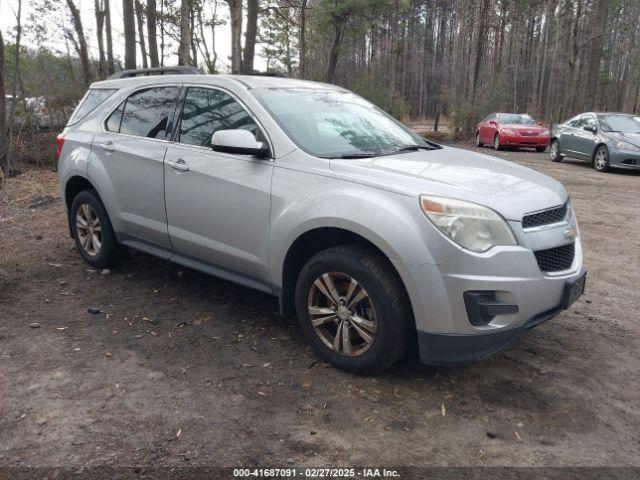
[375, 238]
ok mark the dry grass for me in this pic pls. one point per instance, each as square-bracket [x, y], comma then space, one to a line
[23, 190]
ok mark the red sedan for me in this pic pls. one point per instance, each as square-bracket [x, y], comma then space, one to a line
[512, 130]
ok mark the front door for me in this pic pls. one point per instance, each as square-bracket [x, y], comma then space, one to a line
[217, 203]
[131, 151]
[585, 141]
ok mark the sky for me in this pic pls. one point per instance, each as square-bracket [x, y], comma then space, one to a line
[60, 16]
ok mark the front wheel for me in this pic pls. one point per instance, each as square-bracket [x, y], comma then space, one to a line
[496, 142]
[554, 151]
[601, 159]
[478, 142]
[353, 309]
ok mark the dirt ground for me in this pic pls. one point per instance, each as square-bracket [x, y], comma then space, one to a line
[179, 368]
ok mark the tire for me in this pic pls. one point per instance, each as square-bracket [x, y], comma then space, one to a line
[496, 142]
[88, 207]
[479, 144]
[541, 149]
[601, 159]
[554, 151]
[385, 305]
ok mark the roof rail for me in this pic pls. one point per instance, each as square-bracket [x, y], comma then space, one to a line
[141, 72]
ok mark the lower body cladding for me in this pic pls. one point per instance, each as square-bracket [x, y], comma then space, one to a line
[462, 317]
[624, 159]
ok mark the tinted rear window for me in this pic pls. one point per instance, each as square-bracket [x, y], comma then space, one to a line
[145, 113]
[88, 104]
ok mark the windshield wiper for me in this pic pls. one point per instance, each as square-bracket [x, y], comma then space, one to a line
[413, 148]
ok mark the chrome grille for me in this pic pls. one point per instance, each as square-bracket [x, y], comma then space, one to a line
[547, 217]
[556, 259]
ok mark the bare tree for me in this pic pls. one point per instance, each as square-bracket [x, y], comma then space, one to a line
[83, 51]
[100, 14]
[3, 117]
[14, 88]
[151, 32]
[107, 19]
[143, 47]
[250, 37]
[129, 34]
[235, 11]
[185, 33]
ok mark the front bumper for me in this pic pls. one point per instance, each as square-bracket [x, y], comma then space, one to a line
[524, 141]
[624, 159]
[446, 336]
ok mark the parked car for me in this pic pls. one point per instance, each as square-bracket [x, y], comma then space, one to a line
[512, 130]
[607, 140]
[374, 237]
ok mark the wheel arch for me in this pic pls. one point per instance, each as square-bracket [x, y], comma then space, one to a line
[73, 186]
[309, 243]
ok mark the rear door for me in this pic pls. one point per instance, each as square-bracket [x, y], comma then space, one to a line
[217, 203]
[131, 150]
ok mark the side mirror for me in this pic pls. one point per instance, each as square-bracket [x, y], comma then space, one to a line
[590, 129]
[238, 141]
[493, 122]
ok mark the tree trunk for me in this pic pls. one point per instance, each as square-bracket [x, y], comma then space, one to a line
[3, 108]
[598, 22]
[83, 52]
[302, 41]
[185, 33]
[250, 36]
[111, 68]
[151, 32]
[333, 52]
[102, 61]
[235, 11]
[14, 88]
[128, 16]
[143, 46]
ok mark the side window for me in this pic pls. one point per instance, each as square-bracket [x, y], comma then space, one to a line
[575, 122]
[206, 111]
[90, 102]
[145, 113]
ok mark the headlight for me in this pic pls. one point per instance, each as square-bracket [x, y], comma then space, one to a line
[470, 225]
[630, 147]
[506, 131]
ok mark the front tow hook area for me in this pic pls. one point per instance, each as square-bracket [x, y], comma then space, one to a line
[482, 307]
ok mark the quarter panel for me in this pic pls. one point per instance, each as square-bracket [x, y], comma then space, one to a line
[74, 158]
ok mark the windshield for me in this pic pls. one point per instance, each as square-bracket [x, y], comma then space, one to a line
[329, 123]
[516, 119]
[619, 123]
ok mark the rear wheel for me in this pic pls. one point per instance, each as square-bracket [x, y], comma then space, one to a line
[92, 230]
[353, 310]
[478, 142]
[601, 159]
[554, 151]
[496, 142]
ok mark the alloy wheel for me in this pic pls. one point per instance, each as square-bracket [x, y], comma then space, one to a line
[600, 160]
[342, 314]
[553, 151]
[89, 230]
[496, 142]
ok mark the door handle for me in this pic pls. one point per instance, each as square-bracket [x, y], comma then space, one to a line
[109, 146]
[179, 164]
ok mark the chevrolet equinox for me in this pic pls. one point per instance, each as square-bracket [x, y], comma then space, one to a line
[374, 237]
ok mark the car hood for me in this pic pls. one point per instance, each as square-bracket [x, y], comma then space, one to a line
[633, 138]
[506, 187]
